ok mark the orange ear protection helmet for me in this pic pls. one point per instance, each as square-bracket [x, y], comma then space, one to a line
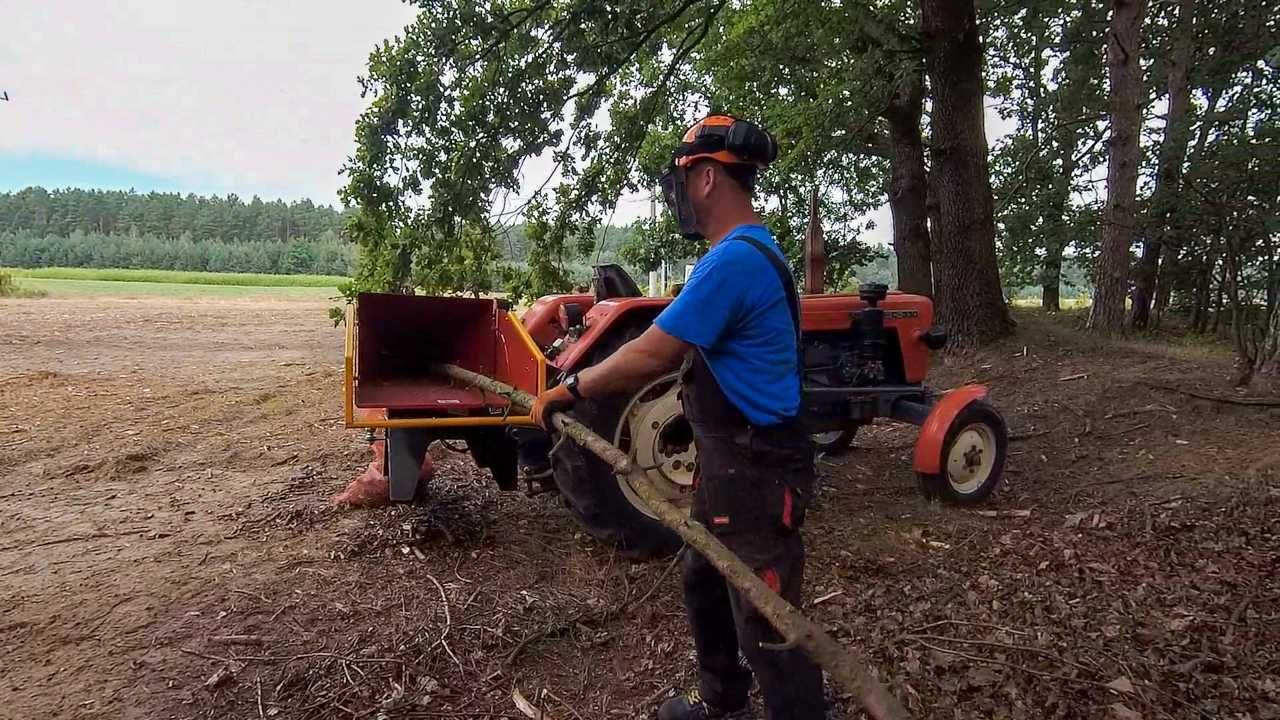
[728, 140]
[722, 138]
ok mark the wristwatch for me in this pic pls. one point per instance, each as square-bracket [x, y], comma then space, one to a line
[571, 384]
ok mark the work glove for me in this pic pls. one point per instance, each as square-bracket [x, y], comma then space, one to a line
[557, 399]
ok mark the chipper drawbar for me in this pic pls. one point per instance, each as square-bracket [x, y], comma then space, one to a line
[865, 355]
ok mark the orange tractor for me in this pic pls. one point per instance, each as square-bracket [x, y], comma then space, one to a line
[865, 355]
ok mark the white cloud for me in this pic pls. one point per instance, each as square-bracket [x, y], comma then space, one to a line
[236, 95]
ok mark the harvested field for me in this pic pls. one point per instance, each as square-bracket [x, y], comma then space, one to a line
[167, 549]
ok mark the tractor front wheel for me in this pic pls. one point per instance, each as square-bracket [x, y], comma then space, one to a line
[973, 455]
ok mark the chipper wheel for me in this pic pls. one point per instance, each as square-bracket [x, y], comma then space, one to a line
[651, 428]
[973, 455]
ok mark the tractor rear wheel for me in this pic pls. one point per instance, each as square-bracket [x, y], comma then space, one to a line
[973, 455]
[648, 425]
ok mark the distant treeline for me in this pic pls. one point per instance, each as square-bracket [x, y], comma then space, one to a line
[164, 215]
[326, 255]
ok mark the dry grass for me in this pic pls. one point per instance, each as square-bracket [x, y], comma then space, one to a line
[9, 288]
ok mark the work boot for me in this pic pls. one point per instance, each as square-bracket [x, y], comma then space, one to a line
[693, 707]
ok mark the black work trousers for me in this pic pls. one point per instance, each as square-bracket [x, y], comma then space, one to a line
[752, 491]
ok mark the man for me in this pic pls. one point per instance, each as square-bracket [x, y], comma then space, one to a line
[735, 324]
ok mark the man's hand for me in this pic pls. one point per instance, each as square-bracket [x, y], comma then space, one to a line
[556, 399]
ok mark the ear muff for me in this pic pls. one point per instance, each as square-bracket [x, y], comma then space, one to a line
[751, 143]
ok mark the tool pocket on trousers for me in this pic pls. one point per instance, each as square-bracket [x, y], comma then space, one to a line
[731, 496]
[789, 465]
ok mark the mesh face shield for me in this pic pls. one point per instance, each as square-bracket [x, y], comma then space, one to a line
[675, 194]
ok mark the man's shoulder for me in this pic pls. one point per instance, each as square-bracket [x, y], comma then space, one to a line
[737, 250]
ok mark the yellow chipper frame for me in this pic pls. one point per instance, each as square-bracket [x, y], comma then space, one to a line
[393, 341]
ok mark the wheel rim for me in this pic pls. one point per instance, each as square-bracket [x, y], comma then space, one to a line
[656, 436]
[972, 458]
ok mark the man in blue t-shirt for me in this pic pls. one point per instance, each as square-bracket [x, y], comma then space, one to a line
[735, 326]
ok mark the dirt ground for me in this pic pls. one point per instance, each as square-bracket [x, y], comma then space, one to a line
[167, 549]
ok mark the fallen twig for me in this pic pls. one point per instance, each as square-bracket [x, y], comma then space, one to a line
[560, 700]
[1154, 407]
[1016, 666]
[303, 656]
[448, 621]
[262, 715]
[994, 643]
[658, 583]
[548, 632]
[1015, 437]
[238, 639]
[656, 695]
[826, 597]
[968, 623]
[1122, 431]
[60, 541]
[527, 708]
[1246, 401]
[1069, 378]
[206, 656]
[1005, 513]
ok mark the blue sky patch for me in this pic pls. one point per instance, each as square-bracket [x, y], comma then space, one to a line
[21, 170]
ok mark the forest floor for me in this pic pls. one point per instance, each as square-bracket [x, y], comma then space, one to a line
[167, 549]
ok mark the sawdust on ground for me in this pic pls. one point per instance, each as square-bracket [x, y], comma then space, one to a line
[166, 549]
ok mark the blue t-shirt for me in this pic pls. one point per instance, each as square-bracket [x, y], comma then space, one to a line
[734, 309]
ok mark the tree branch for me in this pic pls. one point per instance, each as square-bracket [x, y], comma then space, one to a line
[845, 665]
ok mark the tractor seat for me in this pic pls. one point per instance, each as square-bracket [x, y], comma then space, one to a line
[611, 281]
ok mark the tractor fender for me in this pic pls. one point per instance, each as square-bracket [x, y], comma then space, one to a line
[933, 433]
[602, 318]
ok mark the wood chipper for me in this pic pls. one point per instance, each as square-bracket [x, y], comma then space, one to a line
[866, 357]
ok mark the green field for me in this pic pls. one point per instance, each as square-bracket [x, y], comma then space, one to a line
[150, 283]
[177, 276]
[115, 288]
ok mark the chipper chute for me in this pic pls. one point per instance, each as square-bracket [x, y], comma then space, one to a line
[393, 341]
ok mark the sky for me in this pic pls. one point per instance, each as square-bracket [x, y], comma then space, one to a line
[244, 96]
[252, 97]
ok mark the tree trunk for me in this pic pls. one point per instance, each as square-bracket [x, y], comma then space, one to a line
[1112, 276]
[1077, 40]
[1055, 209]
[1268, 362]
[1217, 305]
[1051, 277]
[970, 302]
[908, 187]
[1172, 154]
[1240, 329]
[1203, 292]
[1166, 278]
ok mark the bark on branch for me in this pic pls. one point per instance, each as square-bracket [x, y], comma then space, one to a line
[844, 665]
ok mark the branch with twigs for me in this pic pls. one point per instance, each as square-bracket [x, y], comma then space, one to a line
[844, 665]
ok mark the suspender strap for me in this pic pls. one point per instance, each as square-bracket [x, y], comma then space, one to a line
[784, 275]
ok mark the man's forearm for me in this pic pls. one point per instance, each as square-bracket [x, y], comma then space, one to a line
[627, 369]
